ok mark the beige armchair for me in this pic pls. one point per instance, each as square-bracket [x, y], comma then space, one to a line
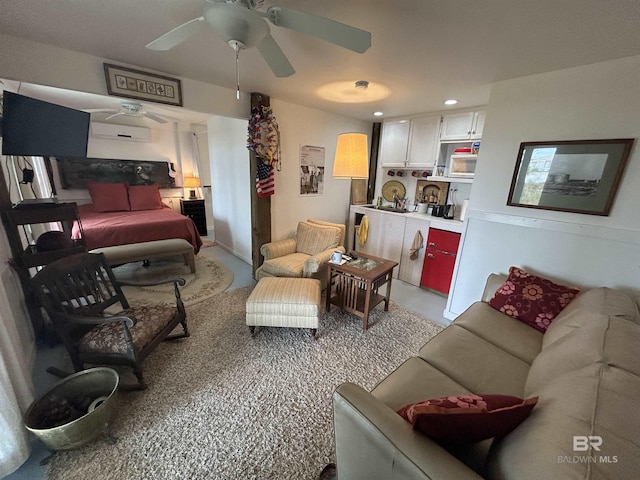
[305, 254]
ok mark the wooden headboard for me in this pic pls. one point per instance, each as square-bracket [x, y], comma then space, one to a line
[74, 172]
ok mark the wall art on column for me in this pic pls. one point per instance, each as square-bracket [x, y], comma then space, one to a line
[311, 170]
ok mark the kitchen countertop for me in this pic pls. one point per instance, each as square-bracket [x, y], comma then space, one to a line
[453, 225]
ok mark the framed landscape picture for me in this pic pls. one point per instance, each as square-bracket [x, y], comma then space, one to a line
[571, 176]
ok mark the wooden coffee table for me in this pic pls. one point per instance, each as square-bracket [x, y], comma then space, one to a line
[353, 286]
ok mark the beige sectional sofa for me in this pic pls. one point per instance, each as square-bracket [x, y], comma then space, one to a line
[585, 370]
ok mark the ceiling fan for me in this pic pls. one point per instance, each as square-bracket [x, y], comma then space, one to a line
[130, 109]
[242, 26]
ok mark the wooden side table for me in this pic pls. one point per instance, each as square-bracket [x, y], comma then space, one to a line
[353, 286]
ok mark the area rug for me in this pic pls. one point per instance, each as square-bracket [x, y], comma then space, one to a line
[226, 405]
[210, 279]
[208, 243]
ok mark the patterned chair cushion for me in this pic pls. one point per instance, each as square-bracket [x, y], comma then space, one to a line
[109, 337]
[312, 239]
[290, 265]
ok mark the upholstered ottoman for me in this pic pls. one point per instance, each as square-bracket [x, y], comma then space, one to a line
[284, 302]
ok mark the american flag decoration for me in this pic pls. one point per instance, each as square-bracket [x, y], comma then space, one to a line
[265, 179]
[264, 140]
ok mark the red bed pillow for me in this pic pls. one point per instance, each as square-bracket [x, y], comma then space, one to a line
[108, 197]
[531, 299]
[464, 419]
[145, 197]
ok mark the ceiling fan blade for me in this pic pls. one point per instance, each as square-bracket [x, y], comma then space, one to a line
[275, 58]
[177, 35]
[334, 32]
[100, 110]
[114, 115]
[154, 117]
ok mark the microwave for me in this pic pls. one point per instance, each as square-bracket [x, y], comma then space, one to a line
[462, 166]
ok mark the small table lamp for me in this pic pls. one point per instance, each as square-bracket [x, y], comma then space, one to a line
[193, 183]
[352, 157]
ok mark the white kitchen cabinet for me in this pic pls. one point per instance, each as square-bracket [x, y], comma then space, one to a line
[394, 143]
[385, 236]
[410, 271]
[391, 236]
[410, 143]
[462, 126]
[423, 141]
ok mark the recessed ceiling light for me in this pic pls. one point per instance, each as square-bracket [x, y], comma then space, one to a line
[378, 114]
[451, 101]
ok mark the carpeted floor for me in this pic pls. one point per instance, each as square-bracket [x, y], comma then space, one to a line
[222, 404]
[211, 278]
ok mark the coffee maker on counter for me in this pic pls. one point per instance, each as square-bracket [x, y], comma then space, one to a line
[449, 211]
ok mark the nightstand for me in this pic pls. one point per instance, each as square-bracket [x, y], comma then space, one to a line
[194, 209]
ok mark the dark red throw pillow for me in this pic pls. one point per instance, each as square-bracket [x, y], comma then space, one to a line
[108, 197]
[464, 419]
[532, 299]
[145, 197]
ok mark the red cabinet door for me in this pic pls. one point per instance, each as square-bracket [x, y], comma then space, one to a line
[439, 260]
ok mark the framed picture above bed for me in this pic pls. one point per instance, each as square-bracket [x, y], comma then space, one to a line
[75, 172]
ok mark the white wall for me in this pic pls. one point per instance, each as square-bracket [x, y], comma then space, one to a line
[591, 102]
[170, 142]
[230, 185]
[43, 64]
[306, 126]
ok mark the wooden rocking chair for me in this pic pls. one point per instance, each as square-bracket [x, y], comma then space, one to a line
[76, 290]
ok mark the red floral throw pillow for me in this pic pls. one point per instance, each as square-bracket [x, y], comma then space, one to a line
[464, 419]
[532, 299]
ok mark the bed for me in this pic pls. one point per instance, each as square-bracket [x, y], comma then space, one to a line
[106, 229]
[121, 214]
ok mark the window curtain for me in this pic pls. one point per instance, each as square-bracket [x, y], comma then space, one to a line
[17, 349]
[16, 359]
[196, 155]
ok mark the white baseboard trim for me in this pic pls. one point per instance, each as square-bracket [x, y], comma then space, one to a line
[449, 315]
[234, 253]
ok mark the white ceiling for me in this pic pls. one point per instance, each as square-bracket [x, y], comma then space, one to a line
[423, 51]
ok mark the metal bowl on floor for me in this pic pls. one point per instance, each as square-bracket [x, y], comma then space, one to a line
[76, 410]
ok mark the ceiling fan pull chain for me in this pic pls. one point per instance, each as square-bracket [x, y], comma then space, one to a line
[237, 49]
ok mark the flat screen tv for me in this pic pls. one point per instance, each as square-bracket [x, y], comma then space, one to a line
[38, 128]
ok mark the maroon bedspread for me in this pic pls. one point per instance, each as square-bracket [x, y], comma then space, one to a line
[120, 228]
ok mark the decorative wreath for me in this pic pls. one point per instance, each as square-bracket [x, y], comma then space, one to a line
[264, 136]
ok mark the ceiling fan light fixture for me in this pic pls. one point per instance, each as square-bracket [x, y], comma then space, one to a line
[344, 92]
[233, 22]
[237, 22]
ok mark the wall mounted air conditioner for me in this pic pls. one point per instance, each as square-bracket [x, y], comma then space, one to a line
[129, 133]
